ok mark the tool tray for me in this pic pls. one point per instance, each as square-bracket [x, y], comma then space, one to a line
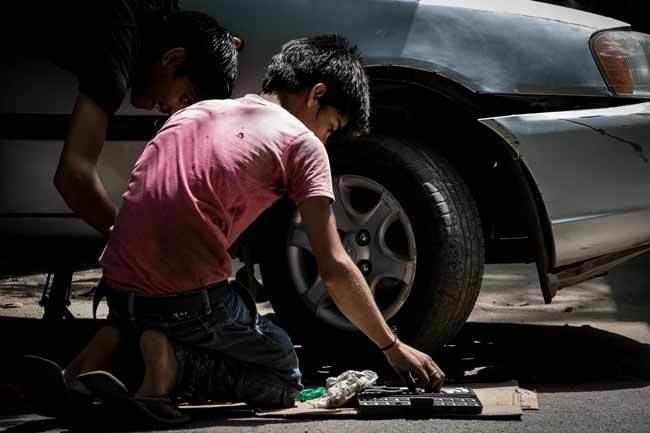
[380, 401]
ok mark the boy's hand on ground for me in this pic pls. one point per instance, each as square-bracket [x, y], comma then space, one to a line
[415, 368]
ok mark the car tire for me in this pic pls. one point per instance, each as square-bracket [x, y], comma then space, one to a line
[449, 246]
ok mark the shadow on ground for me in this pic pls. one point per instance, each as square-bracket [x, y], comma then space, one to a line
[553, 358]
[567, 358]
[546, 358]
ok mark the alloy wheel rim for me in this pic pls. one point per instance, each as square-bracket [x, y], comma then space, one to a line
[376, 233]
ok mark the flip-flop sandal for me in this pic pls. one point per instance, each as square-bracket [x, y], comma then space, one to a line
[104, 385]
[158, 411]
[143, 411]
[46, 390]
[44, 385]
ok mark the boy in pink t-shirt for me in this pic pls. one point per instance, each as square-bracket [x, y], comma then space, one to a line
[211, 170]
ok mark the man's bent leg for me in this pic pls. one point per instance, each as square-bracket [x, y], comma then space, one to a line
[255, 340]
[230, 329]
[209, 376]
[97, 355]
[259, 387]
[248, 358]
[159, 365]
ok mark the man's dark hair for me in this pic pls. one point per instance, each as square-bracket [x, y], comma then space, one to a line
[212, 58]
[328, 59]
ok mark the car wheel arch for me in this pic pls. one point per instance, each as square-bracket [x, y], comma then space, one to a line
[419, 97]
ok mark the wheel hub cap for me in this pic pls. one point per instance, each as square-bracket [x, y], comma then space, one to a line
[377, 235]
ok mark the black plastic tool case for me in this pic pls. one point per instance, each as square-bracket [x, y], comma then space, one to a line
[387, 402]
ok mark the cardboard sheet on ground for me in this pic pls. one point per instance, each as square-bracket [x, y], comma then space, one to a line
[498, 400]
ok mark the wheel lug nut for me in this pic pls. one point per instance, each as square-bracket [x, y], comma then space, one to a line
[363, 238]
[365, 267]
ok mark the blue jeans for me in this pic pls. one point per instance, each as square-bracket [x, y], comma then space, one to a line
[225, 351]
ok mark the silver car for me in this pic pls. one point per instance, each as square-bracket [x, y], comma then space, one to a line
[503, 131]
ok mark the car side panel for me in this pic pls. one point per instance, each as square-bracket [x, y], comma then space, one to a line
[27, 192]
[592, 168]
[488, 47]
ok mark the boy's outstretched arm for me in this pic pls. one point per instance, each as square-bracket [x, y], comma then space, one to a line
[349, 291]
[76, 176]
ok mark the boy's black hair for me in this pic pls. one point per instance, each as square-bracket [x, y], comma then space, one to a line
[329, 59]
[212, 58]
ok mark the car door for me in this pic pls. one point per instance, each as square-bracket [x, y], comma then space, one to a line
[35, 108]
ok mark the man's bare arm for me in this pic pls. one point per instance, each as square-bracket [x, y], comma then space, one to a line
[76, 176]
[349, 291]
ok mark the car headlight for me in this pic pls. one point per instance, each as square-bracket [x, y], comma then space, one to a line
[624, 57]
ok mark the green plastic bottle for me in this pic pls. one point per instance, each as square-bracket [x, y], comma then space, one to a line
[311, 393]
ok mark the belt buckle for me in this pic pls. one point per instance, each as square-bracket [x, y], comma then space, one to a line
[180, 315]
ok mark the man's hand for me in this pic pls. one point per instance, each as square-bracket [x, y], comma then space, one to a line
[415, 368]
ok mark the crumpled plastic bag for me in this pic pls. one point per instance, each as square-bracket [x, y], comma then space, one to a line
[342, 388]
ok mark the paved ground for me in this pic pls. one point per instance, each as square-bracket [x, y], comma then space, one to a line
[587, 355]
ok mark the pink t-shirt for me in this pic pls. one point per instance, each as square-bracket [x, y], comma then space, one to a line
[210, 171]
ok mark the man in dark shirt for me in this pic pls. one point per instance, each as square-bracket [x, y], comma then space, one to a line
[168, 58]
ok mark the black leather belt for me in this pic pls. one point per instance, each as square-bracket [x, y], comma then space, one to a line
[195, 301]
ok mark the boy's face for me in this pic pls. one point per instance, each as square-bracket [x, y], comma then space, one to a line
[322, 120]
[162, 89]
[326, 122]
[176, 94]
